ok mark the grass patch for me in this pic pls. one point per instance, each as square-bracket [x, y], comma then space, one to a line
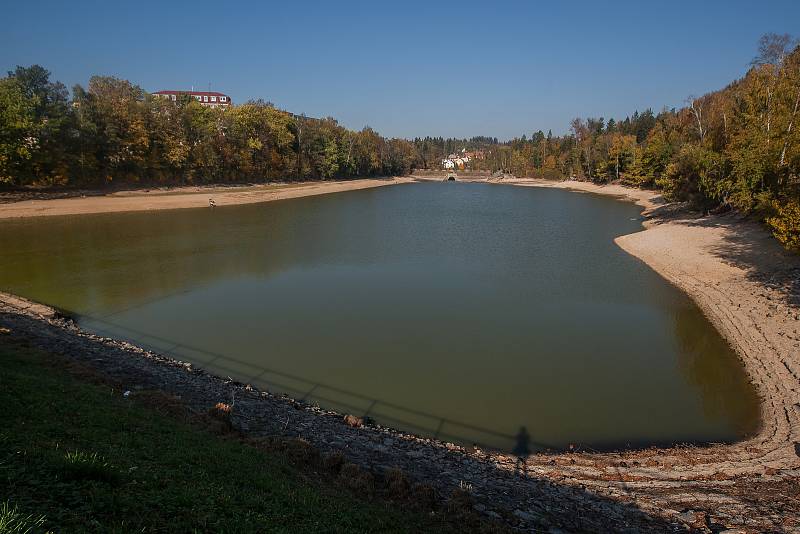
[78, 457]
[12, 521]
[79, 465]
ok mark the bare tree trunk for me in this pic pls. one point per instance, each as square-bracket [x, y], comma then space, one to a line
[769, 111]
[789, 129]
[698, 115]
[588, 164]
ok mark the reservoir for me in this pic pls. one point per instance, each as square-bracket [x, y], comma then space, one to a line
[462, 311]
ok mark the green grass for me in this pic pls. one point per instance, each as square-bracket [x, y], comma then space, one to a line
[12, 521]
[79, 465]
[84, 458]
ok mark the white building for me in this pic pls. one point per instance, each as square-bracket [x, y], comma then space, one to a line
[211, 99]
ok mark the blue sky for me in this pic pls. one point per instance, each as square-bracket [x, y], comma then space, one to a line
[408, 68]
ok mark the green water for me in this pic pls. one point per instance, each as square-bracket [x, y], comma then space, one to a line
[459, 310]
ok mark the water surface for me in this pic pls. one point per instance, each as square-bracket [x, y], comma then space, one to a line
[459, 310]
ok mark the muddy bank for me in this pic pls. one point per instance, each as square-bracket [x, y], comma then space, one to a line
[178, 197]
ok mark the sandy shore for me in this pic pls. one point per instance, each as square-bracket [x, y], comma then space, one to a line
[745, 284]
[749, 287]
[182, 197]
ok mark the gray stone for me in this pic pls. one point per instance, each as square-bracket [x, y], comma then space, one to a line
[525, 516]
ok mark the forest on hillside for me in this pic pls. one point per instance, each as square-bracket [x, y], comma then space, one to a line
[736, 148]
[113, 132]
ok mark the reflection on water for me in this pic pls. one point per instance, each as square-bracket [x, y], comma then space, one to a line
[706, 362]
[467, 310]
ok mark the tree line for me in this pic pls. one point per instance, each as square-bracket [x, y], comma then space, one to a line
[113, 132]
[736, 148]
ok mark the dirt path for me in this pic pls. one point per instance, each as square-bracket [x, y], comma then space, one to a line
[182, 197]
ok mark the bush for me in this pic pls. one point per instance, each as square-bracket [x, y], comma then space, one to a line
[785, 223]
[637, 180]
[694, 177]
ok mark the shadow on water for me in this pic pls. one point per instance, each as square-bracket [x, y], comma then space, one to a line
[721, 380]
[304, 390]
[699, 361]
[548, 503]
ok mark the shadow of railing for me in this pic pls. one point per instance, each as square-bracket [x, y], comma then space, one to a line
[601, 513]
[310, 391]
[300, 388]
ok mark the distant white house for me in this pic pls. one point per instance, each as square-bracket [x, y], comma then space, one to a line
[457, 160]
[212, 99]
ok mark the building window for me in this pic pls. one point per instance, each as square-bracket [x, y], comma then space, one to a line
[223, 98]
[197, 97]
[174, 97]
[205, 99]
[213, 98]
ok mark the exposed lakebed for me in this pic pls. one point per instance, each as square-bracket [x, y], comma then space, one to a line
[459, 310]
